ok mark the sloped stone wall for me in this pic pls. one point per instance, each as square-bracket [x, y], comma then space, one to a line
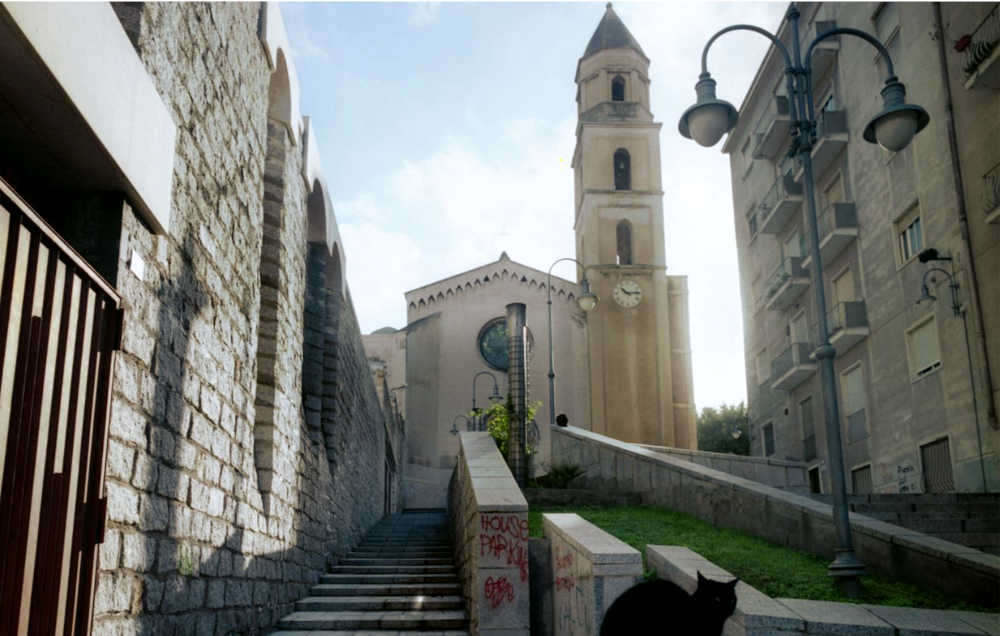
[191, 546]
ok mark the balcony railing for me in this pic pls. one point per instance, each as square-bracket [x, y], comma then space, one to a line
[831, 137]
[838, 227]
[792, 367]
[772, 128]
[780, 203]
[991, 194]
[848, 324]
[786, 283]
[981, 50]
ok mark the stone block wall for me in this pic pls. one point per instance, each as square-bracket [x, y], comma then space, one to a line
[489, 526]
[224, 505]
[779, 473]
[776, 515]
[590, 569]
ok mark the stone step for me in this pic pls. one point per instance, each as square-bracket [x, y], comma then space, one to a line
[388, 578]
[370, 560]
[398, 568]
[394, 603]
[386, 589]
[370, 549]
[443, 619]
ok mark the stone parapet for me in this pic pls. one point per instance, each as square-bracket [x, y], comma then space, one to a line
[779, 473]
[590, 569]
[776, 515]
[757, 614]
[489, 523]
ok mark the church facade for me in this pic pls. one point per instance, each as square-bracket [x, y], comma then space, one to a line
[622, 369]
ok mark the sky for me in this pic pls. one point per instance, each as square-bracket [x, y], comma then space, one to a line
[446, 132]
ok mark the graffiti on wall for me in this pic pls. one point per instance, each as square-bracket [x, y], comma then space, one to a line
[505, 537]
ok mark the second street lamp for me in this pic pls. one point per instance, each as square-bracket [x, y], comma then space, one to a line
[892, 128]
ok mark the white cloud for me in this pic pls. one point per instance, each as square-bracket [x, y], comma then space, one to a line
[424, 13]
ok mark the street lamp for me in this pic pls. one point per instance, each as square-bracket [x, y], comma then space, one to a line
[893, 128]
[454, 424]
[587, 301]
[494, 397]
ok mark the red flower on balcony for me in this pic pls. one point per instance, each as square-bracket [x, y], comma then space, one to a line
[963, 42]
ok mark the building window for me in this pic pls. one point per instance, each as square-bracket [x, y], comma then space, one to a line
[768, 439]
[808, 429]
[624, 238]
[493, 341]
[922, 348]
[886, 21]
[911, 239]
[760, 367]
[623, 170]
[936, 460]
[618, 89]
[852, 385]
[861, 480]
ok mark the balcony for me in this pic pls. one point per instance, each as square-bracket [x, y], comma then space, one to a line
[782, 202]
[787, 282]
[991, 194]
[792, 367]
[831, 137]
[772, 129]
[838, 227]
[981, 49]
[848, 324]
[825, 53]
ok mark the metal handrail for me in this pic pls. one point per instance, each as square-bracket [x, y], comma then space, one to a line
[980, 44]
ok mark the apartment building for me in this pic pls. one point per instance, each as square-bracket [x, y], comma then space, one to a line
[917, 382]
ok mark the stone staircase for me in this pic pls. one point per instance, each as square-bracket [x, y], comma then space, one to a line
[400, 579]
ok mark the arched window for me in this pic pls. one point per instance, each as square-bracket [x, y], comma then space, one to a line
[624, 236]
[623, 170]
[618, 89]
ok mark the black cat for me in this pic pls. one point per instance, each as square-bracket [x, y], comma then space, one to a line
[662, 607]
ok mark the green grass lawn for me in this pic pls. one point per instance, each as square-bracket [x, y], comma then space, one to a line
[772, 569]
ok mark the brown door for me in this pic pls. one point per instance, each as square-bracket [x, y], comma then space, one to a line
[59, 327]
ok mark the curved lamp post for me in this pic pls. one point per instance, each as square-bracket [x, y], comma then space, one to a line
[494, 397]
[454, 424]
[892, 128]
[587, 302]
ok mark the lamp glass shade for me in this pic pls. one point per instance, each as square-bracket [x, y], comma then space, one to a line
[895, 130]
[587, 301]
[708, 123]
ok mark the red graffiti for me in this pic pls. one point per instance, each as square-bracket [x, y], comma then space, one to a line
[563, 562]
[512, 525]
[498, 591]
[564, 583]
[499, 546]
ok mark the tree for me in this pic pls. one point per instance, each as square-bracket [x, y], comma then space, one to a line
[724, 430]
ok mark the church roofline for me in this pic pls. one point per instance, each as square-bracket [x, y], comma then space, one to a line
[491, 267]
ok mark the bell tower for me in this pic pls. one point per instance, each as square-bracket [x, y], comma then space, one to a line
[639, 351]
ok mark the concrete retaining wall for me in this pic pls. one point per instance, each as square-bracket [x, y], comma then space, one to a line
[489, 524]
[776, 515]
[590, 569]
[757, 614]
[779, 473]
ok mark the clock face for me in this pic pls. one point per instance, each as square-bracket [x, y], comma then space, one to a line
[627, 293]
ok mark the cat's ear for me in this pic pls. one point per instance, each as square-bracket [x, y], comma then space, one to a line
[700, 577]
[733, 583]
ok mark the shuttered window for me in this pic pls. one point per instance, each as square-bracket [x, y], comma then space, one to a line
[922, 344]
[853, 394]
[861, 480]
[936, 460]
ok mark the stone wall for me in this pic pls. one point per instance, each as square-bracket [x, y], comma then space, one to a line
[776, 515]
[783, 474]
[224, 506]
[489, 526]
[590, 569]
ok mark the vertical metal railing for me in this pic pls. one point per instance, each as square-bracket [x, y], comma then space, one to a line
[60, 324]
[980, 44]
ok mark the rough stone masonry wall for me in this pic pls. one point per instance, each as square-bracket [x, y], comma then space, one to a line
[190, 548]
[488, 516]
[779, 516]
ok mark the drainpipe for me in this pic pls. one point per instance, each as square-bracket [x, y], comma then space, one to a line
[963, 219]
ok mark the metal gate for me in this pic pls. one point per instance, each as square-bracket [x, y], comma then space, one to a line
[60, 324]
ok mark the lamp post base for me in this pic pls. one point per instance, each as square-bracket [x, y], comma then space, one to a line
[847, 571]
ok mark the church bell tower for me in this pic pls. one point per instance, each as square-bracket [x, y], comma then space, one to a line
[639, 351]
